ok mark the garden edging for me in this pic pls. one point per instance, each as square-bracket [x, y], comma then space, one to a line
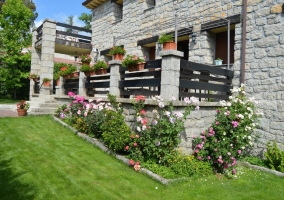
[106, 150]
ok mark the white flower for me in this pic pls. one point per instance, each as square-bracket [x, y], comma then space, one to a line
[242, 85]
[173, 98]
[167, 113]
[178, 115]
[186, 100]
[223, 103]
[230, 97]
[79, 112]
[161, 104]
[249, 137]
[241, 116]
[243, 147]
[229, 104]
[197, 108]
[224, 133]
[139, 118]
[91, 100]
[144, 127]
[194, 100]
[253, 124]
[138, 129]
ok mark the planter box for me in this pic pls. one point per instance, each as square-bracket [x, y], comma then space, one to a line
[218, 62]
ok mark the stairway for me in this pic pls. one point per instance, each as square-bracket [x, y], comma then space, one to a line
[43, 108]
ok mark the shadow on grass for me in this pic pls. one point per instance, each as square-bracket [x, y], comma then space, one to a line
[10, 187]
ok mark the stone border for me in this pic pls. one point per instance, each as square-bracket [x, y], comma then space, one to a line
[106, 150]
[277, 173]
[12, 107]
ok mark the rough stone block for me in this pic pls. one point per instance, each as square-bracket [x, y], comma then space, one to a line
[267, 42]
[276, 9]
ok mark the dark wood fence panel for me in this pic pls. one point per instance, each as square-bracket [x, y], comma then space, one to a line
[146, 82]
[98, 84]
[204, 81]
[71, 85]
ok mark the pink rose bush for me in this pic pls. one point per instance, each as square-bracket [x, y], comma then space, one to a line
[231, 134]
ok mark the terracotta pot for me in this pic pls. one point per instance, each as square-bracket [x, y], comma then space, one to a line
[46, 83]
[132, 68]
[22, 112]
[118, 56]
[89, 73]
[85, 63]
[63, 68]
[58, 82]
[75, 75]
[101, 71]
[170, 46]
[140, 66]
[68, 76]
[35, 79]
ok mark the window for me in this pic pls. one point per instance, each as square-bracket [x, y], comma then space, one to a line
[118, 10]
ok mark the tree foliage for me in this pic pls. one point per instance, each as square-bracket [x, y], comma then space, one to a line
[15, 21]
[87, 19]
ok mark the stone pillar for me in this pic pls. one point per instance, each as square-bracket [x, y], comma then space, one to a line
[35, 62]
[59, 89]
[82, 81]
[170, 74]
[47, 55]
[114, 77]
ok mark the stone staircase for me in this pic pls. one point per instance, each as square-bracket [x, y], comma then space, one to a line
[43, 108]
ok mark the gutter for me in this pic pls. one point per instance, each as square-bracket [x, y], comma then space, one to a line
[244, 34]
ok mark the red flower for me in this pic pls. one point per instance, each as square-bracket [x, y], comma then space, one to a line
[143, 112]
[140, 98]
[131, 162]
[144, 121]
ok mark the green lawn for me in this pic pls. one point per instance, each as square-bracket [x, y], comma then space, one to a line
[9, 101]
[40, 159]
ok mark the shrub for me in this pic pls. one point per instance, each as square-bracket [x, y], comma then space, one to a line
[274, 157]
[86, 68]
[115, 131]
[231, 134]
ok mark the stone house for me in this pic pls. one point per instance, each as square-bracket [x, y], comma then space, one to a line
[202, 34]
[204, 31]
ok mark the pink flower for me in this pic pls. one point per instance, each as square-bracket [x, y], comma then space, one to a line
[143, 112]
[235, 124]
[126, 148]
[199, 158]
[137, 136]
[131, 162]
[234, 171]
[239, 151]
[229, 153]
[132, 136]
[196, 150]
[217, 123]
[71, 94]
[144, 121]
[208, 157]
[137, 167]
[135, 144]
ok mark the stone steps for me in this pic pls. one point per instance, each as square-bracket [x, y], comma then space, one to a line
[39, 108]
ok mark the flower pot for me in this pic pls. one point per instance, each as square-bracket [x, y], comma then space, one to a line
[140, 66]
[68, 76]
[58, 82]
[46, 84]
[170, 46]
[118, 56]
[35, 79]
[218, 62]
[75, 75]
[63, 68]
[22, 112]
[85, 63]
[101, 71]
[132, 68]
[89, 73]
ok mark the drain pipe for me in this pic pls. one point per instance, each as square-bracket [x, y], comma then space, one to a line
[244, 32]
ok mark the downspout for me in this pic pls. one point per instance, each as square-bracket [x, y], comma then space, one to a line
[244, 32]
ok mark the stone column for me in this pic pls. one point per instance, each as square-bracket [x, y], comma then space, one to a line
[59, 90]
[35, 61]
[47, 55]
[170, 74]
[82, 81]
[114, 77]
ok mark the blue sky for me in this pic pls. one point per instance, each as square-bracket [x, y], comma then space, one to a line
[59, 10]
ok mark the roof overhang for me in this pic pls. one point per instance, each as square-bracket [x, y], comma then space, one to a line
[92, 4]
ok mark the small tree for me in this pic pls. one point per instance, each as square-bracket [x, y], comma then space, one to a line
[87, 19]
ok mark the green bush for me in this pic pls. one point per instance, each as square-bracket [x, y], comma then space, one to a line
[94, 121]
[116, 133]
[274, 157]
[254, 160]
[165, 38]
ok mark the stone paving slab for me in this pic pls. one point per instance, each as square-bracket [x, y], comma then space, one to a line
[8, 113]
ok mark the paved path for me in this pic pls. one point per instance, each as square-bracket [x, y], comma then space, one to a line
[8, 113]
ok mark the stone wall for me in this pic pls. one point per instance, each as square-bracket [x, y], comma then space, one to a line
[264, 74]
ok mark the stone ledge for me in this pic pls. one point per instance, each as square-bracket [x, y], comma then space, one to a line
[115, 62]
[171, 53]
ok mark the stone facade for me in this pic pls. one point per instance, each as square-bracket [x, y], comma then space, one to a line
[264, 51]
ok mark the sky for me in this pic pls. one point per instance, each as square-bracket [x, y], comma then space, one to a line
[59, 10]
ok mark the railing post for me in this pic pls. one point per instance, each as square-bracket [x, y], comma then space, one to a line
[115, 77]
[59, 90]
[170, 74]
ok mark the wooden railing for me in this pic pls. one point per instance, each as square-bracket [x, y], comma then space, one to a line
[98, 84]
[204, 81]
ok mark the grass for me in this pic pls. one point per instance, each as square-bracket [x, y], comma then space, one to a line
[9, 101]
[40, 159]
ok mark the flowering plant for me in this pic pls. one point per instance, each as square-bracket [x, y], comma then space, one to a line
[23, 105]
[86, 68]
[117, 50]
[86, 58]
[100, 64]
[46, 79]
[165, 38]
[131, 60]
[158, 136]
[231, 134]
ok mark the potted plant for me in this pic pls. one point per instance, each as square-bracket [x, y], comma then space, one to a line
[22, 108]
[33, 76]
[117, 52]
[167, 41]
[56, 77]
[46, 82]
[88, 70]
[100, 67]
[133, 63]
[66, 74]
[218, 61]
[85, 59]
